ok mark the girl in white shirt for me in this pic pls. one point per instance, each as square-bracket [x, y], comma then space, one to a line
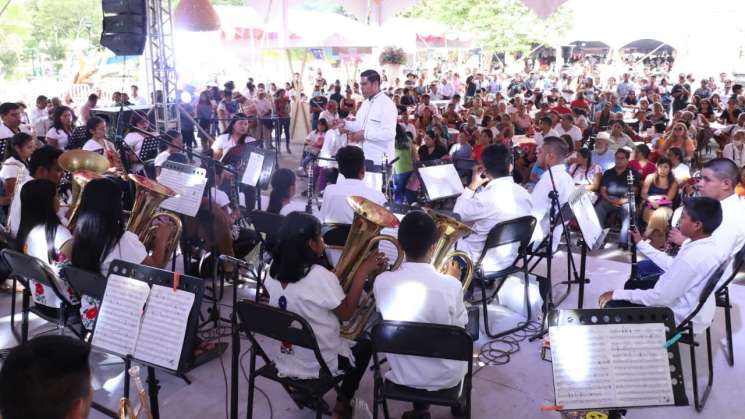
[301, 282]
[235, 134]
[96, 133]
[134, 139]
[283, 189]
[21, 147]
[100, 238]
[42, 235]
[59, 134]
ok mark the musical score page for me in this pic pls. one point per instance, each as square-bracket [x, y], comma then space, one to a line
[441, 181]
[253, 169]
[188, 186]
[610, 365]
[118, 322]
[163, 329]
[587, 218]
[374, 180]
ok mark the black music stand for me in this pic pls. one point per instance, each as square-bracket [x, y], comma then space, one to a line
[440, 180]
[591, 232]
[636, 342]
[153, 276]
[261, 179]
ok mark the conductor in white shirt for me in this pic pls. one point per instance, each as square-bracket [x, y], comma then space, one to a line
[551, 154]
[374, 125]
[335, 209]
[417, 292]
[681, 285]
[492, 197]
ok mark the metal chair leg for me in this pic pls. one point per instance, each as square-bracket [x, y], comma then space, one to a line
[694, 377]
[251, 383]
[728, 328]
[24, 321]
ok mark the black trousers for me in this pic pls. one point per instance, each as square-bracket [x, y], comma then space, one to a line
[362, 352]
[633, 284]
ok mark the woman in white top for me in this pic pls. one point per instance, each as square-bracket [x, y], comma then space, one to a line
[100, 238]
[96, 133]
[21, 147]
[134, 139]
[59, 134]
[300, 281]
[235, 134]
[42, 235]
[283, 189]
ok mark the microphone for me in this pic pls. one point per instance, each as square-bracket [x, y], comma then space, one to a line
[238, 262]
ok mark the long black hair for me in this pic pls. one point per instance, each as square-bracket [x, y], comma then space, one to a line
[229, 130]
[37, 208]
[57, 118]
[99, 226]
[292, 256]
[282, 182]
[18, 141]
[91, 125]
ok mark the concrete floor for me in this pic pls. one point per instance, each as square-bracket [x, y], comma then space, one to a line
[514, 390]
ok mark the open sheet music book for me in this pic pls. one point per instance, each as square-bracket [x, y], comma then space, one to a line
[441, 181]
[611, 365]
[188, 182]
[147, 323]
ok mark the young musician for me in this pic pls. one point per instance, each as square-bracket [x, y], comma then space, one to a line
[283, 189]
[235, 134]
[96, 135]
[492, 197]
[42, 235]
[682, 283]
[177, 140]
[21, 146]
[47, 377]
[335, 208]
[552, 155]
[417, 292]
[300, 282]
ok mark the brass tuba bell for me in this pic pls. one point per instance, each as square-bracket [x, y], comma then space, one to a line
[149, 194]
[84, 167]
[369, 219]
[449, 231]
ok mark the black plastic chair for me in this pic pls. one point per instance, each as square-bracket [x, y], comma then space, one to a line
[285, 326]
[685, 328]
[721, 295]
[518, 230]
[25, 268]
[424, 340]
[335, 235]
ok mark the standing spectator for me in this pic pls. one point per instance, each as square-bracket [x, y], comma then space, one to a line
[318, 103]
[336, 96]
[85, 110]
[204, 117]
[135, 98]
[282, 110]
[264, 115]
[40, 118]
[680, 94]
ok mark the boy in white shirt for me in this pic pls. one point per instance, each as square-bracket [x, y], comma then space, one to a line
[430, 297]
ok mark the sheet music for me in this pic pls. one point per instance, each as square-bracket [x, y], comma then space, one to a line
[118, 321]
[188, 186]
[441, 181]
[387, 247]
[374, 180]
[253, 169]
[610, 365]
[161, 337]
[587, 218]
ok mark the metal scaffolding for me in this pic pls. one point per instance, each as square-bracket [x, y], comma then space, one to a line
[162, 64]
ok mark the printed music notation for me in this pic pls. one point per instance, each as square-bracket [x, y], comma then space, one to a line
[610, 365]
[118, 322]
[148, 324]
[163, 328]
[252, 174]
[441, 181]
[188, 182]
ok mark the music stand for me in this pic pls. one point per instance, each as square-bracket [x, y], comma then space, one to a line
[615, 359]
[149, 276]
[374, 176]
[591, 232]
[440, 180]
[258, 171]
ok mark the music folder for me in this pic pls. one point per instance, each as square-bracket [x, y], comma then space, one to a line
[440, 181]
[259, 168]
[188, 182]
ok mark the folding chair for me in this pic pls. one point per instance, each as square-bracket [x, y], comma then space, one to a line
[423, 340]
[518, 230]
[25, 268]
[285, 326]
[335, 235]
[721, 296]
[685, 329]
[266, 225]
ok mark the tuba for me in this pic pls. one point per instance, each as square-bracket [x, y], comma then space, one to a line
[84, 166]
[369, 219]
[449, 230]
[149, 194]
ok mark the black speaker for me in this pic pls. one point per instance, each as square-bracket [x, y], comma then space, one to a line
[124, 26]
[566, 52]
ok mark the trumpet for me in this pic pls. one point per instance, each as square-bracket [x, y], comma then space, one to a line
[369, 219]
[126, 411]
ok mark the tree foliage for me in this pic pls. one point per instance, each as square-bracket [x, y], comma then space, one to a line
[57, 23]
[501, 25]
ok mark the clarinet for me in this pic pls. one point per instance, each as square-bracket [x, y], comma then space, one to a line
[631, 198]
[311, 189]
[670, 247]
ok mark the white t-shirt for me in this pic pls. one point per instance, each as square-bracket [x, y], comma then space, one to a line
[161, 158]
[134, 140]
[225, 143]
[93, 145]
[335, 208]
[313, 298]
[14, 215]
[59, 135]
[10, 169]
[418, 293]
[129, 249]
[574, 132]
[36, 246]
[292, 206]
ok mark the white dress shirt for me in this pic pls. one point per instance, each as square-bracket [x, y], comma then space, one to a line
[680, 286]
[332, 142]
[417, 292]
[40, 120]
[539, 136]
[542, 203]
[730, 235]
[446, 90]
[376, 117]
[732, 153]
[336, 210]
[500, 200]
[5, 132]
